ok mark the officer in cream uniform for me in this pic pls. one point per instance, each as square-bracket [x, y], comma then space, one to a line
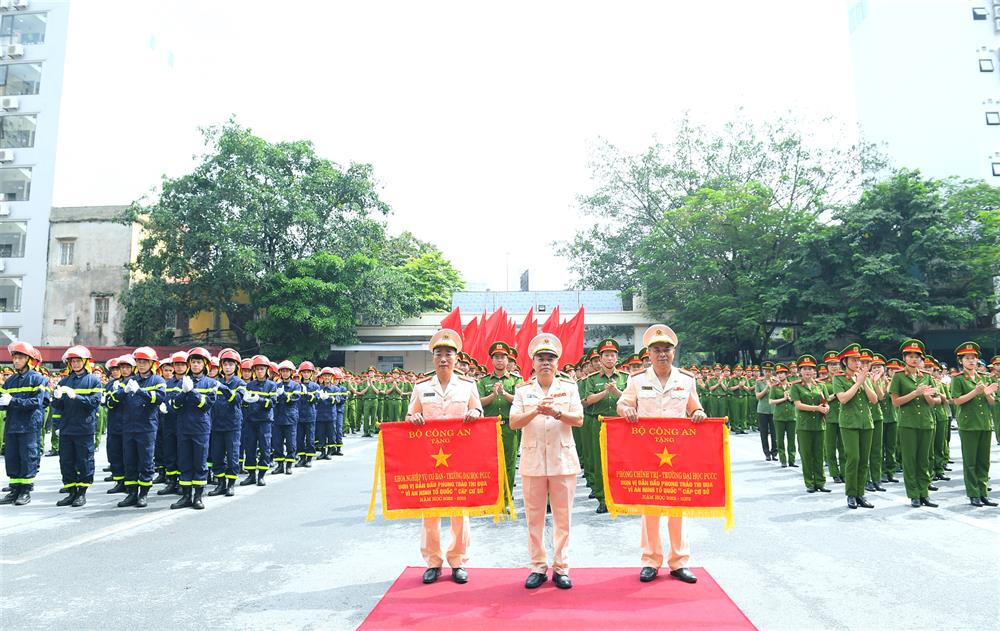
[547, 408]
[445, 395]
[662, 391]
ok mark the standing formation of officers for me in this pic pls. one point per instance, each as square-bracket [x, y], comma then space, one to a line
[196, 418]
[868, 418]
[551, 410]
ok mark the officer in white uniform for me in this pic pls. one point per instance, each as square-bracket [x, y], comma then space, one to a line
[662, 391]
[547, 408]
[445, 395]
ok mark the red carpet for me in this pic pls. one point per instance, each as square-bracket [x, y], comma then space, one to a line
[601, 598]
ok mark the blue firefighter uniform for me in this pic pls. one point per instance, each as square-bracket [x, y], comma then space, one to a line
[286, 420]
[139, 410]
[326, 413]
[258, 419]
[115, 446]
[307, 423]
[76, 419]
[194, 426]
[28, 392]
[227, 425]
[341, 394]
[168, 433]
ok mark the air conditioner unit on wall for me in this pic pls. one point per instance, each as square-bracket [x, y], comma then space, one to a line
[9, 103]
[3, 265]
[4, 210]
[15, 50]
[6, 5]
[21, 4]
[6, 155]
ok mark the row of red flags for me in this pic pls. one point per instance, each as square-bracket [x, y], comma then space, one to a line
[482, 331]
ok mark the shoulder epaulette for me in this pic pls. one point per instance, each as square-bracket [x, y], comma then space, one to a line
[685, 371]
[567, 380]
[526, 383]
[466, 378]
[423, 379]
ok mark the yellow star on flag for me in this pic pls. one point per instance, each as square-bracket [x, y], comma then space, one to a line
[440, 458]
[666, 457]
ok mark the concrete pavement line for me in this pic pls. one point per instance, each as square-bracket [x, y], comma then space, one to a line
[992, 526]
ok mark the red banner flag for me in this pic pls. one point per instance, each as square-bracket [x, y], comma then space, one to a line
[444, 468]
[552, 323]
[453, 321]
[490, 334]
[571, 336]
[470, 335]
[528, 330]
[667, 466]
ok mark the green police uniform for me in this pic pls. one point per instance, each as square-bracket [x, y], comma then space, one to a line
[784, 422]
[975, 424]
[856, 428]
[500, 407]
[369, 405]
[916, 428]
[942, 427]
[809, 427]
[833, 444]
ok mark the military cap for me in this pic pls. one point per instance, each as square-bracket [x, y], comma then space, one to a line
[444, 337]
[878, 359]
[996, 360]
[967, 348]
[831, 357]
[499, 347]
[643, 353]
[867, 355]
[717, 367]
[779, 367]
[894, 364]
[545, 343]
[738, 367]
[659, 333]
[592, 355]
[823, 369]
[608, 344]
[851, 350]
[912, 346]
[768, 365]
[807, 361]
[513, 352]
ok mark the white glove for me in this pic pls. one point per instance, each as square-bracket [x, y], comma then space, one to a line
[163, 408]
[250, 397]
[104, 398]
[133, 386]
[186, 384]
[70, 392]
[117, 386]
[324, 395]
[58, 392]
[5, 399]
[280, 391]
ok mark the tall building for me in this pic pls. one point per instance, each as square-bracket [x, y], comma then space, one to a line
[927, 82]
[32, 53]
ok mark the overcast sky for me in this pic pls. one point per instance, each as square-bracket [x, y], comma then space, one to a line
[479, 118]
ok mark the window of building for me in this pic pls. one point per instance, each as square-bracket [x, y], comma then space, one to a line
[17, 132]
[9, 334]
[23, 29]
[996, 169]
[101, 306]
[20, 79]
[985, 65]
[979, 13]
[10, 294]
[12, 236]
[66, 251]
[388, 362]
[993, 118]
[15, 185]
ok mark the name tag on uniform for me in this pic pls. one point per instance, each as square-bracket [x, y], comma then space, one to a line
[428, 394]
[557, 395]
[646, 387]
[531, 395]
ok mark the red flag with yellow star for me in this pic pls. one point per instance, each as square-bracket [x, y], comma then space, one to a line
[444, 468]
[667, 466]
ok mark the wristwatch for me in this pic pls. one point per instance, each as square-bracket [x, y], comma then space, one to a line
[558, 414]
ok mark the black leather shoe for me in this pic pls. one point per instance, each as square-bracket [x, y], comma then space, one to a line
[66, 501]
[926, 501]
[864, 503]
[459, 575]
[987, 501]
[250, 479]
[81, 497]
[915, 503]
[889, 478]
[944, 478]
[431, 574]
[851, 502]
[647, 574]
[684, 574]
[562, 581]
[784, 466]
[792, 464]
[810, 490]
[879, 487]
[130, 499]
[870, 487]
[592, 496]
[838, 480]
[823, 489]
[948, 468]
[767, 457]
[975, 501]
[535, 580]
[931, 487]
[119, 487]
[601, 508]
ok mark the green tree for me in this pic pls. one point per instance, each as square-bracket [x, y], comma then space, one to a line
[718, 266]
[148, 303]
[634, 191]
[911, 253]
[433, 279]
[249, 208]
